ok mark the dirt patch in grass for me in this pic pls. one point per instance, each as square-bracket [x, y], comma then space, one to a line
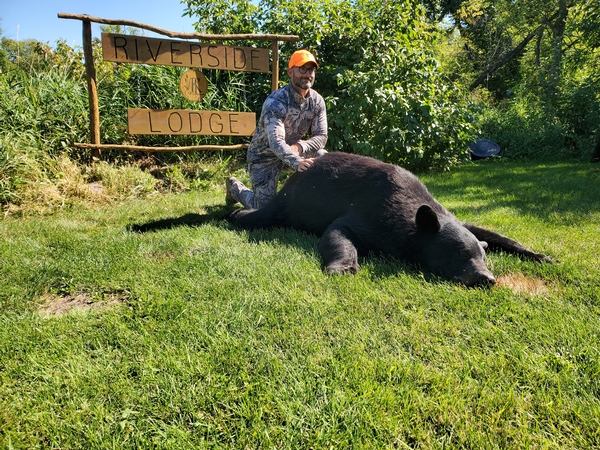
[521, 284]
[58, 305]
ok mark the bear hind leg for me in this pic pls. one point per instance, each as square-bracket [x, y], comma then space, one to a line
[339, 253]
[497, 242]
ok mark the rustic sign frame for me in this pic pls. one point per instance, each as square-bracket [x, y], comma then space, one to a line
[95, 145]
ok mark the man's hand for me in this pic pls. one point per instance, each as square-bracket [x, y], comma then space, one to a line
[305, 164]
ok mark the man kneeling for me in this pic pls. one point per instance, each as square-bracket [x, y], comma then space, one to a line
[288, 114]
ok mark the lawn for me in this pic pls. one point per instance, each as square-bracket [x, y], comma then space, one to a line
[203, 336]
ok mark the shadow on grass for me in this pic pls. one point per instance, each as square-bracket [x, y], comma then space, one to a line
[555, 192]
[215, 213]
[380, 266]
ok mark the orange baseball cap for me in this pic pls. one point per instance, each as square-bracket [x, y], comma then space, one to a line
[301, 57]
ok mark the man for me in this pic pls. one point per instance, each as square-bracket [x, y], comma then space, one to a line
[288, 114]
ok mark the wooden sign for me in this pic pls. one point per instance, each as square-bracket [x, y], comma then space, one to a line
[179, 121]
[167, 52]
[193, 85]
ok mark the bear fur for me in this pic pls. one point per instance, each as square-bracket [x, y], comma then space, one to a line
[359, 205]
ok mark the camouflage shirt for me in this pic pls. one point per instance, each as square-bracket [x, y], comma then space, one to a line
[285, 119]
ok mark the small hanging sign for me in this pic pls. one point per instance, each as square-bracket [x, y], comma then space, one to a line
[193, 85]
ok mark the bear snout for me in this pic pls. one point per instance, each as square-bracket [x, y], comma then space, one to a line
[477, 279]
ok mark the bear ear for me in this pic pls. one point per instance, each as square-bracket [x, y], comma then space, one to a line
[427, 220]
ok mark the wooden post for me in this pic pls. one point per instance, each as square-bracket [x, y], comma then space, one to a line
[95, 145]
[275, 75]
[90, 72]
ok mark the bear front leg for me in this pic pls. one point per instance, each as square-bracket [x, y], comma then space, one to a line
[338, 251]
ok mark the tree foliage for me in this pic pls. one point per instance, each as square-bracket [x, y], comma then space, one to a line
[496, 33]
[386, 95]
[538, 59]
[409, 81]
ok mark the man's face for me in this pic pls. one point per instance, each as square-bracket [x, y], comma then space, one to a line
[303, 80]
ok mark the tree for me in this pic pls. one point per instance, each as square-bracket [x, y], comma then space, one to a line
[438, 10]
[498, 32]
[539, 57]
[385, 92]
[596, 155]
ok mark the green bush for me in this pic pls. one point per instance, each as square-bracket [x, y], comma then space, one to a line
[402, 112]
[525, 127]
[521, 129]
[579, 111]
[386, 94]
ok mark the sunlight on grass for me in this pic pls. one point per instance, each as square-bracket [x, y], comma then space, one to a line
[203, 336]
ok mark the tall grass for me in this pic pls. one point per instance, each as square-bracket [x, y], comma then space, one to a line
[45, 110]
[48, 109]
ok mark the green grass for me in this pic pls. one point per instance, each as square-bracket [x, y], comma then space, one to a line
[214, 338]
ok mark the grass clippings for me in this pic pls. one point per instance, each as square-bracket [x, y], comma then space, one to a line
[522, 284]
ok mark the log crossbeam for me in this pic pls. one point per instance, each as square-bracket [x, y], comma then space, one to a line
[87, 20]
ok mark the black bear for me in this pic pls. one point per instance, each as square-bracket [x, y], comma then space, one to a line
[360, 205]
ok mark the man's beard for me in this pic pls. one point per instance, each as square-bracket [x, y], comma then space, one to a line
[303, 83]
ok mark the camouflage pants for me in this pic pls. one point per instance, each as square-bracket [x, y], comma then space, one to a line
[264, 177]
